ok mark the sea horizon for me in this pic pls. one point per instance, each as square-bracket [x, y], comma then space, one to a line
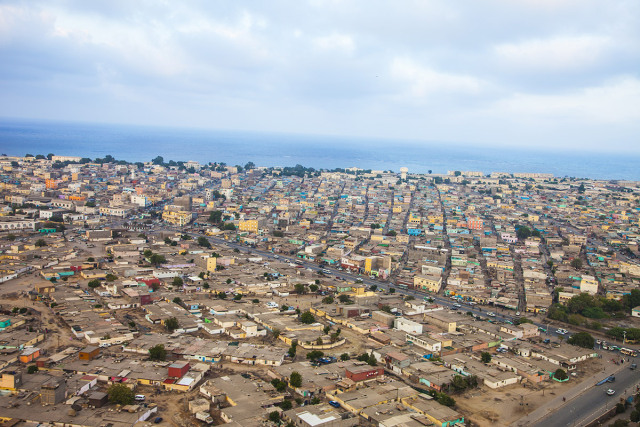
[135, 143]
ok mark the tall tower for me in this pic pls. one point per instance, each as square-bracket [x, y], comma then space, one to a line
[403, 173]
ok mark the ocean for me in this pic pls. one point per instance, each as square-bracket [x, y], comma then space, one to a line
[142, 143]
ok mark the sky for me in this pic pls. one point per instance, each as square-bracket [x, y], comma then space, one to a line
[526, 73]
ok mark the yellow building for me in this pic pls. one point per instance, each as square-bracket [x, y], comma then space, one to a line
[212, 263]
[179, 218]
[428, 283]
[250, 225]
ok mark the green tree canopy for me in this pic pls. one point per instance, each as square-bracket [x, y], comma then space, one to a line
[171, 324]
[523, 232]
[485, 357]
[315, 355]
[215, 217]
[157, 259]
[560, 374]
[204, 242]
[120, 394]
[157, 352]
[295, 379]
[307, 318]
[582, 339]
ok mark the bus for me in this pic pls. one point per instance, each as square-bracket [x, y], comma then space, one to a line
[628, 352]
[402, 286]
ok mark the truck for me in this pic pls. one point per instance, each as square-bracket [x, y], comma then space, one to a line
[204, 416]
[609, 379]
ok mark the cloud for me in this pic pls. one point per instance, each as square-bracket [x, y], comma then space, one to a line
[480, 72]
[556, 54]
[335, 42]
[614, 102]
[422, 81]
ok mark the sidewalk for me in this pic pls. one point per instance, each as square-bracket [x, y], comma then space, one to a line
[555, 404]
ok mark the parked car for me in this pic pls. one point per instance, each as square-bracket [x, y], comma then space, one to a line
[611, 392]
[334, 403]
[157, 420]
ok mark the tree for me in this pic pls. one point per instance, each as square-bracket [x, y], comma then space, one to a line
[111, 277]
[344, 298]
[171, 324]
[215, 217]
[344, 357]
[307, 318]
[372, 360]
[32, 369]
[523, 232]
[327, 300]
[40, 243]
[204, 242]
[315, 355]
[286, 405]
[582, 339]
[120, 394]
[313, 288]
[300, 288]
[485, 357]
[177, 281]
[278, 385]
[445, 399]
[157, 259]
[560, 374]
[373, 287]
[576, 263]
[295, 380]
[392, 290]
[177, 300]
[229, 226]
[94, 283]
[158, 161]
[157, 352]
[274, 417]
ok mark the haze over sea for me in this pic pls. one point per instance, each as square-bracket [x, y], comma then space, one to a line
[140, 143]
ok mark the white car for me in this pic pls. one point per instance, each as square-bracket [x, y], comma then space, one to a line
[491, 314]
[611, 392]
[561, 331]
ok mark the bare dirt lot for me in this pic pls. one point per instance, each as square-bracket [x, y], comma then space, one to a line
[504, 406]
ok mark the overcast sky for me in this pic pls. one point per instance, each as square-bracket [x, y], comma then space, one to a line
[525, 73]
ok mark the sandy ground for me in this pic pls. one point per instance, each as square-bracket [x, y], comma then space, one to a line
[502, 407]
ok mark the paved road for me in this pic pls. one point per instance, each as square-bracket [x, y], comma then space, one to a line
[590, 401]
